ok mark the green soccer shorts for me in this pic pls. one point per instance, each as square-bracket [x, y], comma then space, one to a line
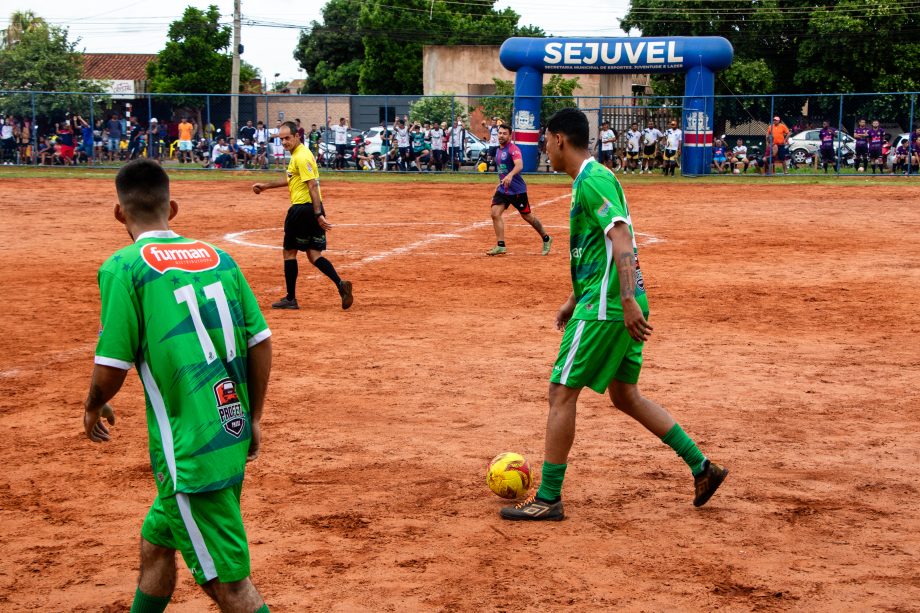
[207, 528]
[594, 353]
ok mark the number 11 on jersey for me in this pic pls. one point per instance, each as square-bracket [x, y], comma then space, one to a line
[215, 292]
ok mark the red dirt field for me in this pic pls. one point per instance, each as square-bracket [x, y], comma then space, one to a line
[786, 342]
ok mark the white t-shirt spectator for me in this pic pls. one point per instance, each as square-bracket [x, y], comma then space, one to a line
[456, 136]
[437, 139]
[650, 136]
[402, 136]
[261, 136]
[740, 152]
[607, 137]
[6, 131]
[341, 134]
[632, 140]
[673, 137]
[493, 136]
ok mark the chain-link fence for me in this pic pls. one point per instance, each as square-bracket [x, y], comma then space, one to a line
[820, 133]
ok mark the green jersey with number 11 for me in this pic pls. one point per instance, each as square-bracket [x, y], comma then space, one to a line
[182, 312]
[597, 204]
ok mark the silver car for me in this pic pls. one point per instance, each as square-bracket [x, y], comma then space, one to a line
[806, 144]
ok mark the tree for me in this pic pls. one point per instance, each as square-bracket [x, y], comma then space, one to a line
[437, 109]
[332, 52]
[42, 59]
[557, 94]
[195, 58]
[20, 21]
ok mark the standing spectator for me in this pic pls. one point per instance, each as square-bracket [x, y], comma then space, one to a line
[25, 141]
[876, 142]
[740, 157]
[419, 146]
[227, 129]
[826, 136]
[673, 141]
[300, 130]
[403, 148]
[493, 142]
[277, 147]
[650, 138]
[777, 134]
[314, 138]
[436, 136]
[185, 141]
[861, 135]
[115, 132]
[99, 140]
[457, 139]
[7, 141]
[135, 138]
[248, 131]
[88, 142]
[607, 139]
[633, 144]
[153, 139]
[340, 133]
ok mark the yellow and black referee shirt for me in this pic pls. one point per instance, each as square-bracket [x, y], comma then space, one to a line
[301, 169]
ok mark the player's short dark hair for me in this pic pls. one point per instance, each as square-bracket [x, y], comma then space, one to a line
[573, 124]
[290, 125]
[504, 126]
[143, 189]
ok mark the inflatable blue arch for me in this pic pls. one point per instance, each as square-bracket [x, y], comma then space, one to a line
[698, 56]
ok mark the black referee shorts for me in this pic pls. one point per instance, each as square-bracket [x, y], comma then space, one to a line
[302, 230]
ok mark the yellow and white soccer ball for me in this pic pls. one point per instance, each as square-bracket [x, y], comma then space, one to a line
[482, 167]
[509, 475]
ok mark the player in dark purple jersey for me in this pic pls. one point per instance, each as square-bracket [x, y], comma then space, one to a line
[861, 134]
[827, 136]
[511, 191]
[901, 155]
[876, 142]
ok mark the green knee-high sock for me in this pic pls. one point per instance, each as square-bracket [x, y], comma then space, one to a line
[551, 482]
[684, 446]
[145, 603]
[263, 609]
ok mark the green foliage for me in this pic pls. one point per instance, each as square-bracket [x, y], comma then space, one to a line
[435, 109]
[557, 94]
[43, 59]
[332, 52]
[196, 58]
[375, 46]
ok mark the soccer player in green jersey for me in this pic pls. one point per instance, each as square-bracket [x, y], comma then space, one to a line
[604, 321]
[182, 313]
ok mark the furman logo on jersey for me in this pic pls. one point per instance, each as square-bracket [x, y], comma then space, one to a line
[232, 417]
[189, 257]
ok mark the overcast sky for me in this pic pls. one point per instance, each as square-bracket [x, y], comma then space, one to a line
[139, 26]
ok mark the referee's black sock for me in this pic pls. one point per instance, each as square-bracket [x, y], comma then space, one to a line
[501, 243]
[546, 238]
[326, 267]
[290, 278]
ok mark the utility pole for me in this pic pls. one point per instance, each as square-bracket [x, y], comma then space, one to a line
[235, 74]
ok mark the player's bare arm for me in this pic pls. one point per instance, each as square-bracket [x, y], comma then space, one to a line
[259, 366]
[258, 188]
[313, 186]
[105, 383]
[625, 259]
[518, 167]
[565, 312]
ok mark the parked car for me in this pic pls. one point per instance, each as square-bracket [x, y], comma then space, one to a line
[806, 144]
[474, 150]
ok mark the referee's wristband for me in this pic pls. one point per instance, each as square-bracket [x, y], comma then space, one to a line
[320, 214]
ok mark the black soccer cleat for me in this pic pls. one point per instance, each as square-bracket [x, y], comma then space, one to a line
[534, 509]
[707, 482]
[345, 292]
[286, 303]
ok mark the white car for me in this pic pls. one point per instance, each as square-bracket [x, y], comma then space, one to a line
[806, 144]
[474, 146]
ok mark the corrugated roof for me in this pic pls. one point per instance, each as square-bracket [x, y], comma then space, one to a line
[116, 66]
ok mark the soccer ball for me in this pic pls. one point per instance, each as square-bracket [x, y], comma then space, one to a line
[481, 167]
[860, 169]
[509, 475]
[737, 171]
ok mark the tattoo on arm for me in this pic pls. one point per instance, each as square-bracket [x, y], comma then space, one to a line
[626, 270]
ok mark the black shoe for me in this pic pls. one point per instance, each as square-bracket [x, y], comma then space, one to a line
[346, 294]
[286, 303]
[707, 482]
[534, 509]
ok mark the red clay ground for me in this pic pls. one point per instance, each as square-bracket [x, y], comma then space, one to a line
[786, 329]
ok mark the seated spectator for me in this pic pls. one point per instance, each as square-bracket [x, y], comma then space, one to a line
[222, 154]
[740, 157]
[44, 152]
[719, 161]
[900, 158]
[363, 161]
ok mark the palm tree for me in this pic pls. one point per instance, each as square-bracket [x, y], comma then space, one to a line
[20, 22]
